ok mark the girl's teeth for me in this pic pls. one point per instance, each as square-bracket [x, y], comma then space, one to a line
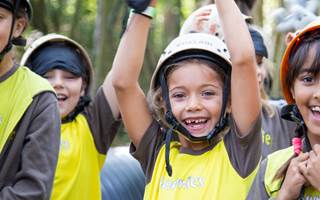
[197, 121]
[316, 109]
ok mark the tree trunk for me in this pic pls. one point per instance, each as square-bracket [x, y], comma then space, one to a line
[39, 22]
[106, 36]
[257, 13]
[76, 18]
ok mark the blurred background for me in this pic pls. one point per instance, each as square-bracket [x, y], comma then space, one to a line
[98, 24]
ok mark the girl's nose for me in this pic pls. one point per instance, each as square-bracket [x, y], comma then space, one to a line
[56, 82]
[316, 93]
[194, 104]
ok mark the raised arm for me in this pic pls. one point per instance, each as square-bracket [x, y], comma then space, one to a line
[110, 94]
[245, 97]
[126, 70]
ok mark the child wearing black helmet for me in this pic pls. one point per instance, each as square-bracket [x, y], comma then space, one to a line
[191, 94]
[29, 116]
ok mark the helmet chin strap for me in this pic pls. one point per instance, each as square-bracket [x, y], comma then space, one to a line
[9, 45]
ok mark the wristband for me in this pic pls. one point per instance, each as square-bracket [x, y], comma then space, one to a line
[150, 12]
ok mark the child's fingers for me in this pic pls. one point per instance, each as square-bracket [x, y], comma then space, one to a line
[316, 149]
[205, 12]
[313, 156]
[302, 157]
[303, 167]
[313, 161]
[312, 170]
[202, 18]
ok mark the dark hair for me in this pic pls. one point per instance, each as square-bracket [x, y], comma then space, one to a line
[300, 52]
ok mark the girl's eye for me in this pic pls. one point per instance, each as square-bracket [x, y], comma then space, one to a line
[178, 95]
[70, 77]
[208, 93]
[308, 79]
[47, 76]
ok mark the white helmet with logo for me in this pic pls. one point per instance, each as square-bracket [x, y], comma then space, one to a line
[193, 45]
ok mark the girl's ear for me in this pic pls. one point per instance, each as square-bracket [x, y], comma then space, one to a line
[228, 109]
[19, 27]
[83, 88]
[292, 93]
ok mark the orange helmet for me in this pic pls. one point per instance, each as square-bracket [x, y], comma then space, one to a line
[284, 66]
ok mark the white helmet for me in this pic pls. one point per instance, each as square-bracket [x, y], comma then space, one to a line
[193, 45]
[57, 38]
[190, 26]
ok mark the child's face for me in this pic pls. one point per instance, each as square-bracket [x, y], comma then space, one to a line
[261, 71]
[68, 87]
[306, 93]
[195, 92]
[5, 24]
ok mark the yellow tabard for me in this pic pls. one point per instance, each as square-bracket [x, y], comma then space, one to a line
[78, 170]
[16, 95]
[275, 161]
[206, 176]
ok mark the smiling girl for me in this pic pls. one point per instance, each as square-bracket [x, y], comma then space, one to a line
[191, 96]
[88, 128]
[293, 173]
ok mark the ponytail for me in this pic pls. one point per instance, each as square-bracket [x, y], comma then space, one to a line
[296, 142]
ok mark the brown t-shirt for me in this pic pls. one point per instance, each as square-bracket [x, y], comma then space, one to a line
[277, 133]
[243, 152]
[102, 124]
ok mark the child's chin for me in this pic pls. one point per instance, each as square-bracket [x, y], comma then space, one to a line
[199, 134]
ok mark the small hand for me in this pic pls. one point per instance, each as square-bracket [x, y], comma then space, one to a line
[202, 22]
[294, 179]
[311, 170]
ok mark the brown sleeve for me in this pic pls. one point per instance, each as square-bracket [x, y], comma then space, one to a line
[244, 152]
[258, 190]
[31, 159]
[277, 133]
[102, 124]
[149, 148]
